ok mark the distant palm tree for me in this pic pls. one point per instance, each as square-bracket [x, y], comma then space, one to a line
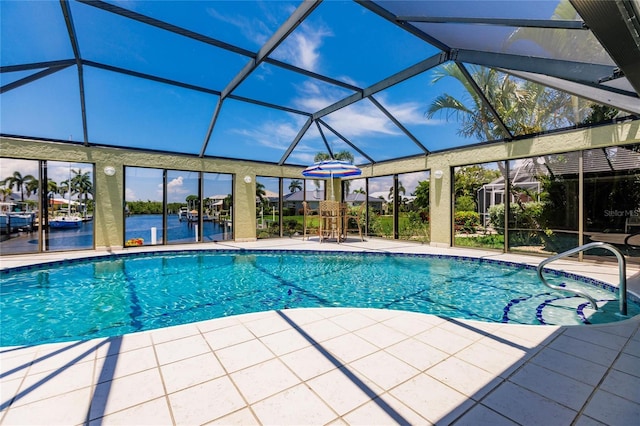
[342, 156]
[261, 193]
[82, 185]
[401, 189]
[32, 187]
[295, 185]
[5, 192]
[19, 182]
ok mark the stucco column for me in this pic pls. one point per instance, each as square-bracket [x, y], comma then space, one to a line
[440, 204]
[244, 207]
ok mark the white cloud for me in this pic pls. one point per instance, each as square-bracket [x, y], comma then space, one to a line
[254, 30]
[301, 48]
[130, 195]
[271, 134]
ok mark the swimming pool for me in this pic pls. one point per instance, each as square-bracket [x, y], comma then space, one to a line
[117, 294]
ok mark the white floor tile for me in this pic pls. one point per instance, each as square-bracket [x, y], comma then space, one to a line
[228, 336]
[242, 417]
[349, 347]
[205, 402]
[263, 380]
[622, 384]
[578, 368]
[443, 340]
[308, 362]
[128, 342]
[585, 350]
[152, 413]
[383, 369]
[323, 330]
[526, 407]
[285, 341]
[557, 387]
[180, 349]
[417, 354]
[191, 371]
[343, 392]
[381, 335]
[295, 406]
[69, 408]
[612, 410]
[352, 320]
[481, 415]
[177, 332]
[125, 363]
[243, 355]
[431, 399]
[126, 392]
[268, 325]
[628, 364]
[466, 378]
[385, 410]
[492, 359]
[52, 383]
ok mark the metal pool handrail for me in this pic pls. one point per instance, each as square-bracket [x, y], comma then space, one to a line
[622, 266]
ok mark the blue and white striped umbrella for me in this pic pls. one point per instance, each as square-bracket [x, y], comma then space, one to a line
[331, 169]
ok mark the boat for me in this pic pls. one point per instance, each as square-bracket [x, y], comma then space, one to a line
[65, 222]
[16, 217]
[69, 218]
[183, 213]
[15, 222]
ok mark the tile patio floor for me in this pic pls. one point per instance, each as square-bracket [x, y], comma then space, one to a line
[334, 366]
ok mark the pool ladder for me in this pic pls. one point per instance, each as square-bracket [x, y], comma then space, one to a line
[622, 286]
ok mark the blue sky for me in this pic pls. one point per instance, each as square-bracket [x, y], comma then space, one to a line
[341, 40]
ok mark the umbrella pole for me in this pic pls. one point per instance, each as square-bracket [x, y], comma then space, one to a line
[333, 198]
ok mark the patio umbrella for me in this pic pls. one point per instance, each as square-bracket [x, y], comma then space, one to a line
[331, 169]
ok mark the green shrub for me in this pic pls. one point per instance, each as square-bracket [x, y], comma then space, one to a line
[493, 241]
[465, 203]
[467, 221]
[529, 217]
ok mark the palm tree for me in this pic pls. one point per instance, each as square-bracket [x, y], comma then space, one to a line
[83, 186]
[19, 182]
[5, 192]
[524, 107]
[32, 187]
[342, 156]
[261, 194]
[401, 189]
[295, 185]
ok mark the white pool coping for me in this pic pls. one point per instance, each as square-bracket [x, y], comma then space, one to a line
[333, 365]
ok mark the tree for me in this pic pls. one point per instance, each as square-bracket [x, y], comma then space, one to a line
[401, 190]
[295, 185]
[468, 180]
[82, 185]
[31, 187]
[342, 156]
[523, 106]
[422, 195]
[18, 182]
[261, 193]
[5, 192]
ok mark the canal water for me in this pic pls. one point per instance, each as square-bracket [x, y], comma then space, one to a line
[136, 226]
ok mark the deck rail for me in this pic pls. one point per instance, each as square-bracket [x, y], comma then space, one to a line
[622, 266]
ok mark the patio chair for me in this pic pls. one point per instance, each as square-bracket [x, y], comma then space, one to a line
[309, 221]
[357, 214]
[331, 217]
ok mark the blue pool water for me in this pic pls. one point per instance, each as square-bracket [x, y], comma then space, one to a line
[113, 295]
